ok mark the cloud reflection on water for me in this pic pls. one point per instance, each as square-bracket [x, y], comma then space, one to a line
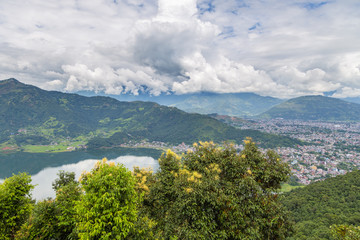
[44, 179]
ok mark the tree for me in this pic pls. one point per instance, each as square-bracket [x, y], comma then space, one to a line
[42, 222]
[54, 218]
[68, 193]
[15, 204]
[108, 209]
[217, 193]
[345, 232]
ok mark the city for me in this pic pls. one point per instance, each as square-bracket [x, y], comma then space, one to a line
[330, 149]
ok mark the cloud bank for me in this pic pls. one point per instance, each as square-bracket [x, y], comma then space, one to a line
[274, 48]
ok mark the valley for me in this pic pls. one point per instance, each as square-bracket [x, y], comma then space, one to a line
[39, 121]
[44, 132]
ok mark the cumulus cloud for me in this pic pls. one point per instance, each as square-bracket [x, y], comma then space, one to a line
[278, 48]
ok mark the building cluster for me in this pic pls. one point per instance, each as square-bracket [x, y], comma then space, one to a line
[330, 149]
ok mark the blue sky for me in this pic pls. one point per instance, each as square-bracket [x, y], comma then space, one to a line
[270, 47]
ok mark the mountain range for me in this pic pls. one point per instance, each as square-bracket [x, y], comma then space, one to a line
[251, 105]
[233, 104]
[30, 115]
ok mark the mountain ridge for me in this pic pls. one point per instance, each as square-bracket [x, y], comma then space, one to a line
[49, 114]
[244, 104]
[315, 107]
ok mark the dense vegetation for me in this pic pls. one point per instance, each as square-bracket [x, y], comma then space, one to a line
[319, 205]
[29, 115]
[315, 108]
[208, 193]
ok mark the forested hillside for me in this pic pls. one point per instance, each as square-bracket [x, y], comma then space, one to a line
[319, 205]
[29, 115]
[315, 108]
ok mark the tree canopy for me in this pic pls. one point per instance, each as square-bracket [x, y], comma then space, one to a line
[210, 192]
[108, 209]
[317, 206]
[15, 204]
[217, 193]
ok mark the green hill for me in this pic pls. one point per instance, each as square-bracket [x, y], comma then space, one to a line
[30, 115]
[315, 108]
[316, 207]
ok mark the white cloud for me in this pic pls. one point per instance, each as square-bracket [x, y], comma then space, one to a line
[347, 92]
[277, 48]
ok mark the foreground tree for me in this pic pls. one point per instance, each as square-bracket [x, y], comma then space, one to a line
[108, 209]
[68, 193]
[217, 193]
[15, 204]
[54, 218]
[42, 222]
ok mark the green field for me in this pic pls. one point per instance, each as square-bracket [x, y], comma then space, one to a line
[287, 187]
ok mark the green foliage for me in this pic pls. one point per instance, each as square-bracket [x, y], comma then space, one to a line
[208, 193]
[345, 232]
[285, 187]
[65, 178]
[42, 222]
[68, 193]
[15, 204]
[30, 140]
[315, 207]
[108, 209]
[315, 108]
[54, 219]
[214, 193]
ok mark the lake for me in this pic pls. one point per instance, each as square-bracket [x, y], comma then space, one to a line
[44, 166]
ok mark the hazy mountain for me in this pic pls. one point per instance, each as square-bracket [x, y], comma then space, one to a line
[315, 108]
[352, 99]
[48, 113]
[233, 104]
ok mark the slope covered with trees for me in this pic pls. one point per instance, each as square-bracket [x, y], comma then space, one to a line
[29, 115]
[319, 205]
[315, 108]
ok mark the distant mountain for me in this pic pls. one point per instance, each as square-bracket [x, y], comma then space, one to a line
[30, 115]
[317, 206]
[233, 104]
[352, 99]
[315, 108]
[162, 99]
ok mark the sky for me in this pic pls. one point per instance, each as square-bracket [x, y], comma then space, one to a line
[279, 48]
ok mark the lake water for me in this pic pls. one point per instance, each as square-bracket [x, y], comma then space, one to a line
[44, 166]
